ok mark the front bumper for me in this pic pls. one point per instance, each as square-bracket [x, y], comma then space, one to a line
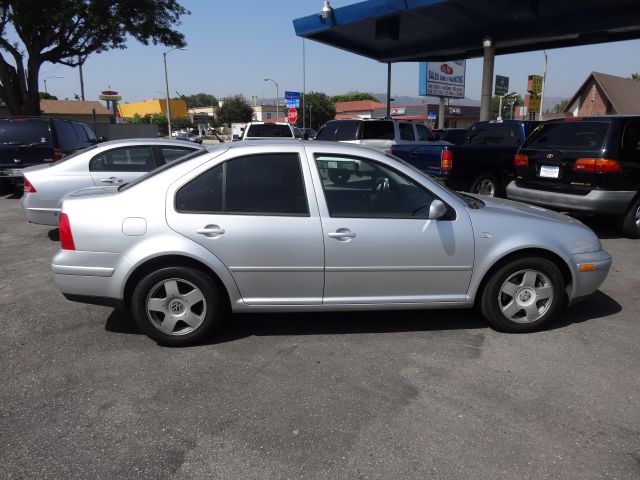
[590, 270]
[596, 201]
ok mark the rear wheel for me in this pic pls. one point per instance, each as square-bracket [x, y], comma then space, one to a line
[485, 185]
[630, 222]
[177, 306]
[523, 295]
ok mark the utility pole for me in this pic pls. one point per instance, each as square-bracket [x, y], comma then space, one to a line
[544, 82]
[81, 78]
[304, 86]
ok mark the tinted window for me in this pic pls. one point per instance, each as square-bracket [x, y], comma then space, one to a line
[423, 133]
[171, 154]
[494, 134]
[66, 136]
[126, 159]
[406, 132]
[266, 184]
[81, 135]
[576, 135]
[377, 130]
[358, 187]
[24, 131]
[203, 194]
[327, 131]
[269, 130]
[347, 130]
[89, 132]
[457, 137]
[631, 142]
[256, 184]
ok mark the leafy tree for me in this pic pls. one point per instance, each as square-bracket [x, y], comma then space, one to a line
[558, 107]
[159, 120]
[180, 123]
[67, 32]
[200, 100]
[322, 109]
[353, 97]
[507, 104]
[635, 76]
[47, 96]
[235, 109]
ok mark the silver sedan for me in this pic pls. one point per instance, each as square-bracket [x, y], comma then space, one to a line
[261, 227]
[108, 163]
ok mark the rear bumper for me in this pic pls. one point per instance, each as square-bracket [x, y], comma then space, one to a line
[591, 269]
[596, 201]
[36, 212]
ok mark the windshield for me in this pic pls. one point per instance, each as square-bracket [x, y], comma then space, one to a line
[24, 131]
[573, 135]
[167, 166]
[269, 130]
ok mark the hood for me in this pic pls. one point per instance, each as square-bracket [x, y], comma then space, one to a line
[502, 205]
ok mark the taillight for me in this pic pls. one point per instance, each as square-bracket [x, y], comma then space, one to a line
[28, 187]
[446, 161]
[390, 151]
[603, 165]
[520, 160]
[66, 239]
[57, 154]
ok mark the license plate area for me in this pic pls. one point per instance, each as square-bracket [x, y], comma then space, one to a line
[549, 171]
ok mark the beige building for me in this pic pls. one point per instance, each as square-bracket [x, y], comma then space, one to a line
[76, 110]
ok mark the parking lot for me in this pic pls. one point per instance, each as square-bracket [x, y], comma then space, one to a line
[424, 394]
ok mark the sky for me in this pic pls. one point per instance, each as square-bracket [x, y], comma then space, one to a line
[233, 46]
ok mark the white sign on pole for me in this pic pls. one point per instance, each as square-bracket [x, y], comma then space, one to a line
[442, 79]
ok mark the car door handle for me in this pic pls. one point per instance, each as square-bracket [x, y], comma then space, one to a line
[111, 180]
[342, 234]
[210, 231]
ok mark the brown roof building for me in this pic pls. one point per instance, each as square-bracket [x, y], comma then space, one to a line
[76, 110]
[603, 94]
[357, 109]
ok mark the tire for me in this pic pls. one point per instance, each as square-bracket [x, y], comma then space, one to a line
[511, 300]
[485, 185]
[177, 306]
[339, 177]
[629, 223]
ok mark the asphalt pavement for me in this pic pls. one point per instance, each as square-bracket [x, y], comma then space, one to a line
[393, 395]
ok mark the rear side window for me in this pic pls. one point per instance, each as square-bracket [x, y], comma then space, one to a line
[327, 131]
[126, 159]
[171, 154]
[377, 130]
[81, 135]
[269, 130]
[269, 184]
[89, 132]
[406, 132]
[631, 142]
[66, 135]
[346, 131]
[576, 135]
[24, 131]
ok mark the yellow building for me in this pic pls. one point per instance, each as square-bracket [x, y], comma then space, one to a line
[153, 106]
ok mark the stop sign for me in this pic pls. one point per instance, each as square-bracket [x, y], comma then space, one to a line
[292, 115]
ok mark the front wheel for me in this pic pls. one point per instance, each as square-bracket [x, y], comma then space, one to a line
[176, 306]
[523, 295]
[485, 185]
[339, 177]
[630, 222]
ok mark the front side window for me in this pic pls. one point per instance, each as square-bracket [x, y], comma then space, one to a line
[357, 187]
[377, 130]
[347, 131]
[126, 159]
[268, 184]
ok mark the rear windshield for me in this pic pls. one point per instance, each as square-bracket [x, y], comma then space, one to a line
[569, 136]
[269, 130]
[377, 130]
[24, 131]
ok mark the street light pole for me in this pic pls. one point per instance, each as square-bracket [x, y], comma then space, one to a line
[49, 78]
[166, 84]
[277, 97]
[544, 81]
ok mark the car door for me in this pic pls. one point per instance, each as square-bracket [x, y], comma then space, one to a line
[121, 165]
[380, 246]
[252, 212]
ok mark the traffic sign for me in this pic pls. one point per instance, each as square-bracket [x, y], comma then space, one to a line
[502, 86]
[293, 99]
[431, 116]
[292, 115]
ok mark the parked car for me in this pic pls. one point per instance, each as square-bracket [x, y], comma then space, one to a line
[263, 131]
[483, 165]
[381, 134]
[109, 163]
[456, 136]
[300, 133]
[261, 227]
[589, 164]
[26, 141]
[189, 137]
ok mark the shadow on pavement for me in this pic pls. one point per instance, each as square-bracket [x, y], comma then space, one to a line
[240, 326]
[54, 234]
[604, 227]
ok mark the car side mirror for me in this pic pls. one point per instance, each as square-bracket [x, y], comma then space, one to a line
[437, 210]
[102, 139]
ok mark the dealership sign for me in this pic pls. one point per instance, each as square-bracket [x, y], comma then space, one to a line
[442, 79]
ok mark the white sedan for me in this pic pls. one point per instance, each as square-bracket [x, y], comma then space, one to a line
[108, 163]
